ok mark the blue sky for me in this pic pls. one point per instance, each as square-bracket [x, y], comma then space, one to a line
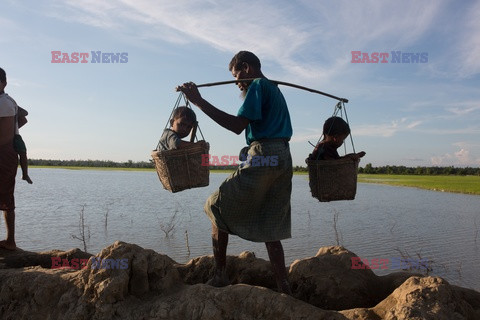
[412, 114]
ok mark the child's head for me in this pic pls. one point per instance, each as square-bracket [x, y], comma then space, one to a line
[182, 121]
[335, 129]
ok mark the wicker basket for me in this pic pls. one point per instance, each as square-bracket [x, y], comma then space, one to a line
[181, 169]
[332, 180]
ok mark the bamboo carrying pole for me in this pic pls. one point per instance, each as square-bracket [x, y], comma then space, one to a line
[275, 81]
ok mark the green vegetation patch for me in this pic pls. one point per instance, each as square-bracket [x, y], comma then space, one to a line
[458, 184]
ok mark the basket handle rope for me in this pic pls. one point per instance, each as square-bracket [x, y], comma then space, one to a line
[195, 127]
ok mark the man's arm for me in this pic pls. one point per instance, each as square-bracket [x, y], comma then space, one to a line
[6, 129]
[230, 122]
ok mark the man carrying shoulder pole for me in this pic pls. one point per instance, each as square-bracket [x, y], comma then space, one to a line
[254, 202]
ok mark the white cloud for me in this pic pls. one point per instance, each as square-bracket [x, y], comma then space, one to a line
[469, 44]
[308, 40]
[413, 124]
[386, 129]
[466, 145]
[444, 160]
[464, 108]
[102, 14]
[6, 23]
[456, 57]
[12, 31]
[363, 23]
[283, 32]
[450, 131]
[311, 135]
[375, 130]
[461, 157]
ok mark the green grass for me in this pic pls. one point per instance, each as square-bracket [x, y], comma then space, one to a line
[458, 184]
[221, 171]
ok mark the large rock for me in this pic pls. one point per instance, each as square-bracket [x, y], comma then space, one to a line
[328, 281]
[148, 285]
[424, 298]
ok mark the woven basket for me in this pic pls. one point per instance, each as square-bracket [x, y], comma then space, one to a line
[181, 169]
[332, 180]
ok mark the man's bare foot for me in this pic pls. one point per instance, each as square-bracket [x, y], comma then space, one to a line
[220, 279]
[4, 244]
[27, 178]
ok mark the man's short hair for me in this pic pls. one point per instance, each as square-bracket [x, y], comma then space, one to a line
[3, 75]
[244, 57]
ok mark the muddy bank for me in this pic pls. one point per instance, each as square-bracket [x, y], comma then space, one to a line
[125, 281]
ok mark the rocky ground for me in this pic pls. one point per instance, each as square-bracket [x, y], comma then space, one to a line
[149, 285]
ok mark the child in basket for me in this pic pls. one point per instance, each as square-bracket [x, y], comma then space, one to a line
[335, 131]
[182, 122]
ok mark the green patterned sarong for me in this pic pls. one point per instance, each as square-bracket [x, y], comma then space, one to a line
[254, 201]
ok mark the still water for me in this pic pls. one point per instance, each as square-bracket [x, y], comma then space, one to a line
[383, 222]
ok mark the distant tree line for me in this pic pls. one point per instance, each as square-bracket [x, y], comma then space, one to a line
[91, 163]
[368, 169]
